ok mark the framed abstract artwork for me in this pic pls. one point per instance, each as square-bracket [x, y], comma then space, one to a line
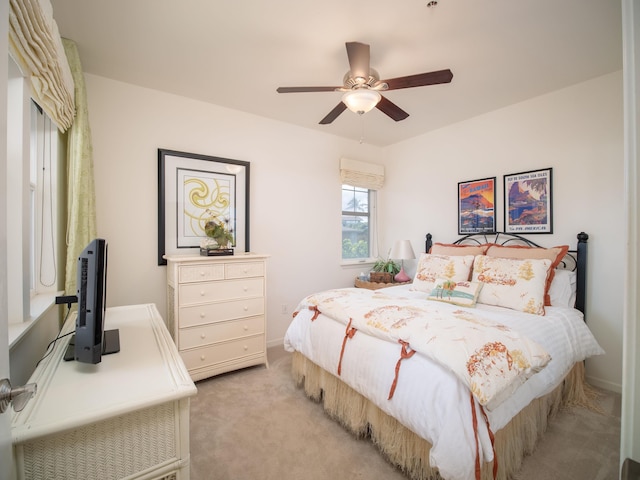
[195, 189]
[528, 202]
[476, 206]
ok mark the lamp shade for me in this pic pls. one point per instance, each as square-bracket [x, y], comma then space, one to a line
[402, 250]
[361, 100]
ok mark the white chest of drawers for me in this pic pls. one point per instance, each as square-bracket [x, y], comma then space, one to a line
[216, 311]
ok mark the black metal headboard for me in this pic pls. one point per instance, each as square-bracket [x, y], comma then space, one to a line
[575, 260]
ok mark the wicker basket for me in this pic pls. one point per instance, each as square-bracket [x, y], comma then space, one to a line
[375, 285]
[381, 277]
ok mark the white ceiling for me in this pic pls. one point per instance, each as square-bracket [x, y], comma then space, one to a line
[235, 53]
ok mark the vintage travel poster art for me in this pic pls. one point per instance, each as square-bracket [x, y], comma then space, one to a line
[476, 206]
[528, 202]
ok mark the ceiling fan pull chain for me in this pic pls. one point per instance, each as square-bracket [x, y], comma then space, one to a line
[361, 128]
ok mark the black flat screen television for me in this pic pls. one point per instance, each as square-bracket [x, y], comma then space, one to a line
[91, 341]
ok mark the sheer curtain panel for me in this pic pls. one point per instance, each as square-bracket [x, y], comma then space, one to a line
[81, 199]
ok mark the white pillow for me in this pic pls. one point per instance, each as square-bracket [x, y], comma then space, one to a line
[512, 283]
[431, 267]
[563, 289]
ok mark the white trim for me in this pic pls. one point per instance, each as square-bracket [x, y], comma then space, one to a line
[630, 417]
[40, 305]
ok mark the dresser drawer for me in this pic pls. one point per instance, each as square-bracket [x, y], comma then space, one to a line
[223, 352]
[193, 293]
[245, 269]
[219, 312]
[200, 272]
[220, 332]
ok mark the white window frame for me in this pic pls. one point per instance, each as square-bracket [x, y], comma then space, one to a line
[373, 231]
[29, 296]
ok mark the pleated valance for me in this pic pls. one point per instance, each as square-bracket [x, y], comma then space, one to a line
[36, 46]
[361, 174]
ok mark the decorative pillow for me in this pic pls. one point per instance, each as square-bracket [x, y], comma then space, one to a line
[563, 289]
[463, 294]
[432, 267]
[512, 283]
[555, 254]
[454, 249]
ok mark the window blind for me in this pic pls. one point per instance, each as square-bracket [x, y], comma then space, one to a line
[36, 46]
[361, 174]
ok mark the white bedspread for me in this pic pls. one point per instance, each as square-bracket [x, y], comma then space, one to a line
[428, 399]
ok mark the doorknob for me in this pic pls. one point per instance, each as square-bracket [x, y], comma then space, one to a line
[19, 396]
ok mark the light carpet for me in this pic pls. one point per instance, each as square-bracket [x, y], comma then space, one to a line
[256, 424]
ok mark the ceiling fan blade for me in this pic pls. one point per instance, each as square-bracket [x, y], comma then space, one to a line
[305, 89]
[389, 108]
[420, 80]
[359, 58]
[333, 114]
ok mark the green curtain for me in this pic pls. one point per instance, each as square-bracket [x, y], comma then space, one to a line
[81, 199]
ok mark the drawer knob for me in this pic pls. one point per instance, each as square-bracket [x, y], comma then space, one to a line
[246, 328]
[246, 348]
[203, 336]
[246, 270]
[202, 294]
[246, 289]
[246, 308]
[202, 357]
[202, 273]
[202, 315]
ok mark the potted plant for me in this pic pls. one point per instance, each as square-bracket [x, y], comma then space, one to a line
[219, 236]
[218, 231]
[383, 271]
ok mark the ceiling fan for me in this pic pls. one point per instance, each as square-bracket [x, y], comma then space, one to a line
[362, 86]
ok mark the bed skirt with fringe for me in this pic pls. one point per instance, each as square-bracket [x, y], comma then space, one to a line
[407, 450]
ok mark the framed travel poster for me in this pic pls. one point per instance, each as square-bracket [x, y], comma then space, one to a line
[476, 206]
[528, 202]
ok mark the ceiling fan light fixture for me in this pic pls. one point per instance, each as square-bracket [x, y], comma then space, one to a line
[361, 100]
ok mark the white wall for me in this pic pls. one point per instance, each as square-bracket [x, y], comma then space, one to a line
[295, 191]
[578, 132]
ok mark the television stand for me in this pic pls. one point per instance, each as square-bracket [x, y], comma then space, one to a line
[127, 415]
[110, 344]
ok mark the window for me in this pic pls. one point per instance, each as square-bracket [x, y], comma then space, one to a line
[43, 205]
[360, 181]
[32, 185]
[357, 222]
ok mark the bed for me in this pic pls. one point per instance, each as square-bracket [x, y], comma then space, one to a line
[456, 375]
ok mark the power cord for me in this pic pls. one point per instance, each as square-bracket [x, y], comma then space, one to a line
[52, 343]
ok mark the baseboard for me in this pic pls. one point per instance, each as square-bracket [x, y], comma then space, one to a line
[275, 343]
[604, 384]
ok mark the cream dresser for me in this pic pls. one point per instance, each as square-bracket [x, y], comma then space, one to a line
[216, 311]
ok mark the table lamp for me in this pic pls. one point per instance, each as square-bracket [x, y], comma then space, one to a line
[402, 251]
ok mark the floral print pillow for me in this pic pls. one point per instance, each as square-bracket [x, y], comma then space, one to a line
[432, 267]
[512, 283]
